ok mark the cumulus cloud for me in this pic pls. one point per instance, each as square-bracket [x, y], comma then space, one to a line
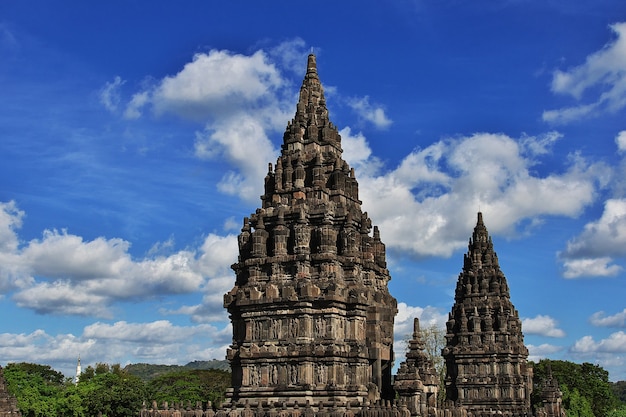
[592, 252]
[241, 99]
[536, 353]
[615, 343]
[233, 140]
[590, 267]
[369, 112]
[543, 326]
[118, 342]
[492, 171]
[355, 148]
[604, 70]
[602, 320]
[217, 83]
[60, 273]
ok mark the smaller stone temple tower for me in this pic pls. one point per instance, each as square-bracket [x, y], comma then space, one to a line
[8, 403]
[551, 398]
[417, 382]
[485, 355]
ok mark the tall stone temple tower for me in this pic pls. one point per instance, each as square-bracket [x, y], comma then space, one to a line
[486, 360]
[311, 312]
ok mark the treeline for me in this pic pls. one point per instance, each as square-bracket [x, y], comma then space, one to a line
[120, 392]
[108, 389]
[587, 391]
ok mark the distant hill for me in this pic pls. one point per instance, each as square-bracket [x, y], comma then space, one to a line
[148, 372]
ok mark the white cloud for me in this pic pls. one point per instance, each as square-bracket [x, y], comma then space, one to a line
[605, 69]
[291, 55]
[536, 353]
[606, 236]
[491, 171]
[601, 319]
[620, 140]
[356, 151]
[136, 104]
[403, 325]
[543, 326]
[590, 267]
[218, 253]
[592, 252]
[159, 332]
[242, 99]
[232, 224]
[119, 342]
[369, 112]
[63, 274]
[615, 343]
[218, 82]
[10, 220]
[235, 140]
[110, 94]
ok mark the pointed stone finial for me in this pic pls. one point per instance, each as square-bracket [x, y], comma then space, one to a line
[311, 64]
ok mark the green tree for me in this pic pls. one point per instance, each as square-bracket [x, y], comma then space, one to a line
[434, 338]
[576, 405]
[619, 390]
[37, 388]
[190, 385]
[618, 412]
[111, 391]
[587, 381]
[70, 402]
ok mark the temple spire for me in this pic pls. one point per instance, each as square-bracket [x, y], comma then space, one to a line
[311, 122]
[484, 327]
[311, 64]
[480, 249]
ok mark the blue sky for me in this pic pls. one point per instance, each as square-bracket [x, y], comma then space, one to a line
[135, 136]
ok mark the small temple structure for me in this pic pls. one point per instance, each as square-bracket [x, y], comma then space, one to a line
[8, 403]
[311, 313]
[417, 381]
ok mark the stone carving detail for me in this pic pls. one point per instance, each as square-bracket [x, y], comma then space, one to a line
[311, 280]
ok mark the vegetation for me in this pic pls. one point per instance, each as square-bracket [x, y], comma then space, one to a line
[148, 372]
[619, 390]
[190, 385]
[586, 389]
[116, 392]
[111, 390]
